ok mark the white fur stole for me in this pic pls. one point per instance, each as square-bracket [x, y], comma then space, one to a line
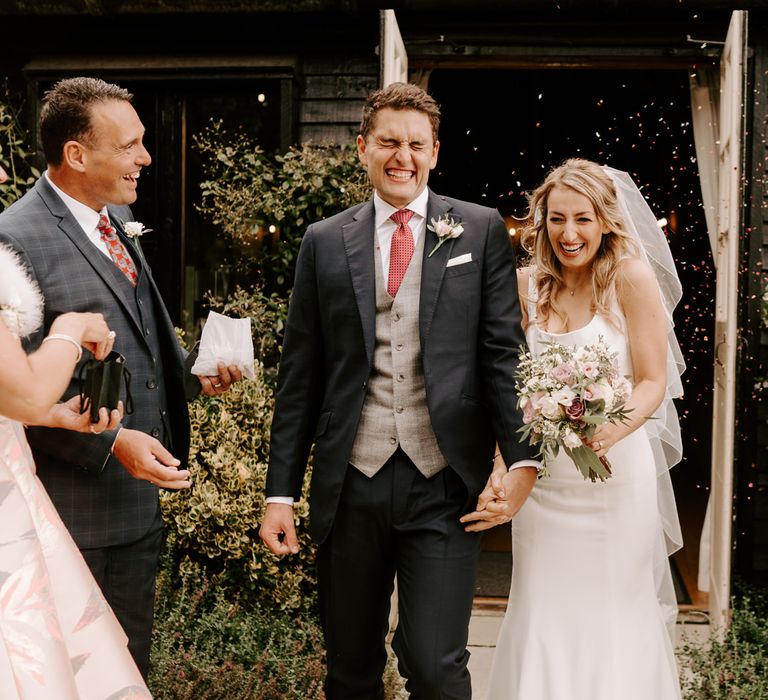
[21, 303]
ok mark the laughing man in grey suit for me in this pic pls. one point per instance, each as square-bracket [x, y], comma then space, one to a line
[105, 486]
[399, 360]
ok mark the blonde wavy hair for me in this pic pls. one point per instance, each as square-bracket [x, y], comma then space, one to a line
[589, 179]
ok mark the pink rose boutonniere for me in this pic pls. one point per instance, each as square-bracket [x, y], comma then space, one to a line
[445, 228]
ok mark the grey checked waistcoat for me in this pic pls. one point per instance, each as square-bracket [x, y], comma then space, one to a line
[395, 410]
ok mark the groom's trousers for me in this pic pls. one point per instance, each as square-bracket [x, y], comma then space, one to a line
[398, 522]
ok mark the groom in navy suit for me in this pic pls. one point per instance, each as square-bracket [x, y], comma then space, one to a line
[400, 351]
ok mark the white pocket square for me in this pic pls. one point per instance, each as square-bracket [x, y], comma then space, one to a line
[460, 260]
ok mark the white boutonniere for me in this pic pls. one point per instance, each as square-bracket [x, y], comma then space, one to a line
[135, 230]
[445, 228]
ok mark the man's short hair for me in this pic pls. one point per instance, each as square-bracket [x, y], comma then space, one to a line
[66, 112]
[399, 96]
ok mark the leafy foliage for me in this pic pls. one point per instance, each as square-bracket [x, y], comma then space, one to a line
[214, 643]
[216, 521]
[15, 158]
[735, 668]
[246, 193]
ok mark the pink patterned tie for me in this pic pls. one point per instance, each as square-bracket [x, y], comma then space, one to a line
[117, 250]
[401, 251]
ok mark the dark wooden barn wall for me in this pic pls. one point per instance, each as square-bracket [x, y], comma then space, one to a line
[332, 96]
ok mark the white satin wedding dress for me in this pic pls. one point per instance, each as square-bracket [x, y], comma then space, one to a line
[583, 620]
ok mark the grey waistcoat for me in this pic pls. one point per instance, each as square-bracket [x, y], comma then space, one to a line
[395, 409]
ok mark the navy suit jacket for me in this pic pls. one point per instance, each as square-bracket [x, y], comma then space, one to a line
[470, 331]
[98, 500]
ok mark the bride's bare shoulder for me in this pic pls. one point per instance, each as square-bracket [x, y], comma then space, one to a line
[635, 272]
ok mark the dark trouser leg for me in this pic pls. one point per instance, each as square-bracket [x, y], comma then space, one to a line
[126, 575]
[436, 564]
[355, 576]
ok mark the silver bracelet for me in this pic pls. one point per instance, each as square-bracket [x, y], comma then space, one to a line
[68, 339]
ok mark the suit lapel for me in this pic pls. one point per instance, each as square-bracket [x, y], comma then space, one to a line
[359, 236]
[102, 265]
[432, 267]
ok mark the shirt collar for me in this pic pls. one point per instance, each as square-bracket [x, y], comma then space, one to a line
[84, 215]
[384, 210]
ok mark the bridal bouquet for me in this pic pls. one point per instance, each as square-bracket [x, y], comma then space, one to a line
[565, 393]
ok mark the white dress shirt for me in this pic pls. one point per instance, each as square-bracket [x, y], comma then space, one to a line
[85, 216]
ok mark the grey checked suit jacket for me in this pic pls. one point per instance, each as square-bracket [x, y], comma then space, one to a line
[98, 500]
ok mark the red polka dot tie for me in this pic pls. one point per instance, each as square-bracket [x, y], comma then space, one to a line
[117, 250]
[401, 252]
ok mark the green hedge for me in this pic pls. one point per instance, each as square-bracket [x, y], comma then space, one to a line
[735, 667]
[214, 643]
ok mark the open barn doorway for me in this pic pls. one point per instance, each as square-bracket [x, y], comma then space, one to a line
[502, 130]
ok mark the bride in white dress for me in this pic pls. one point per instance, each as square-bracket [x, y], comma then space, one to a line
[591, 607]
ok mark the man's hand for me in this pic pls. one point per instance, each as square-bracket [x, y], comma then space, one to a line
[501, 499]
[278, 531]
[213, 386]
[145, 458]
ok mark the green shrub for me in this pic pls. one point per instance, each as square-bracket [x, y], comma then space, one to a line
[736, 667]
[15, 157]
[214, 643]
[216, 521]
[246, 192]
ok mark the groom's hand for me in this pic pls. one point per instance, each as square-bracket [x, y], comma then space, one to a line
[278, 531]
[510, 492]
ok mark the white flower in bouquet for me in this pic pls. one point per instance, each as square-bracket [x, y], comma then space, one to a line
[589, 368]
[622, 390]
[564, 396]
[550, 408]
[571, 439]
[609, 395]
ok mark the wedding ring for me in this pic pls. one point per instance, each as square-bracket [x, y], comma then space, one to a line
[93, 430]
[111, 335]
[217, 386]
[599, 444]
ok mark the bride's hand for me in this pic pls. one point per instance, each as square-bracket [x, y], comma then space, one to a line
[67, 416]
[604, 437]
[515, 487]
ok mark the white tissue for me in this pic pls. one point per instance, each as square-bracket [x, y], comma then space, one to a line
[226, 340]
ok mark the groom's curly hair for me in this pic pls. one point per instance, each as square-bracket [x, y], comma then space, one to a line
[400, 96]
[66, 112]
